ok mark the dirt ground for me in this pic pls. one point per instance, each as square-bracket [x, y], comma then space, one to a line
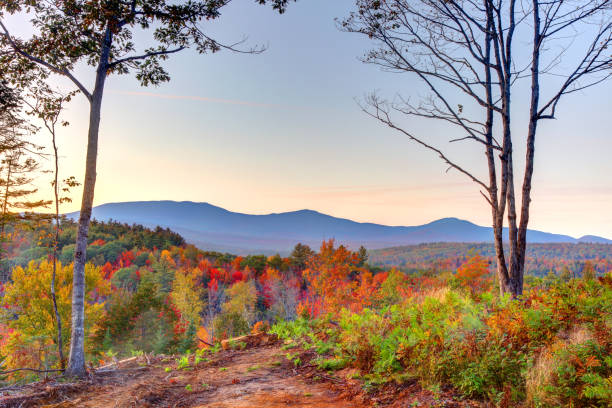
[255, 377]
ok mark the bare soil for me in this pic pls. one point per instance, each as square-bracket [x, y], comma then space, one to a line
[254, 377]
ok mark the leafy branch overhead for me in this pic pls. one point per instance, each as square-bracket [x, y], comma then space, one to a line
[69, 32]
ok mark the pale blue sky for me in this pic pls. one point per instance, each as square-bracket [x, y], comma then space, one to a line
[281, 131]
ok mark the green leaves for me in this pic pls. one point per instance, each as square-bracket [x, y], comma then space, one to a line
[100, 33]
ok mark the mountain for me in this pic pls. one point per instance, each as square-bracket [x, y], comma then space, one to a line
[592, 239]
[214, 228]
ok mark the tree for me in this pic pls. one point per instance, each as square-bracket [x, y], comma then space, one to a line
[47, 105]
[300, 255]
[16, 185]
[363, 256]
[463, 53]
[100, 35]
[473, 273]
[17, 164]
[27, 298]
[330, 277]
[186, 296]
[239, 311]
[588, 271]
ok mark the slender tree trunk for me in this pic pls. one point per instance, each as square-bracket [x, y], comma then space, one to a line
[503, 52]
[512, 230]
[5, 276]
[507, 195]
[497, 206]
[6, 197]
[76, 364]
[531, 135]
[60, 350]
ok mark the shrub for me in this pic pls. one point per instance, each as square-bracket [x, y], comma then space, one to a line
[551, 348]
[231, 324]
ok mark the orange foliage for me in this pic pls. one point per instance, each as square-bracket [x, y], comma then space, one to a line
[202, 334]
[473, 273]
[332, 285]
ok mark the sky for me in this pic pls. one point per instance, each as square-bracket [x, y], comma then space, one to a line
[283, 131]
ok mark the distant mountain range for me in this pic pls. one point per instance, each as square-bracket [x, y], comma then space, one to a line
[214, 228]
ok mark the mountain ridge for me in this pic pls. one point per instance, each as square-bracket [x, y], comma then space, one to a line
[215, 228]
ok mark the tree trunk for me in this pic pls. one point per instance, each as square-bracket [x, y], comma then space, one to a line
[497, 206]
[76, 364]
[530, 153]
[60, 346]
[5, 276]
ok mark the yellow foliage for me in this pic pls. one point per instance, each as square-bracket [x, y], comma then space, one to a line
[165, 255]
[242, 300]
[186, 296]
[32, 341]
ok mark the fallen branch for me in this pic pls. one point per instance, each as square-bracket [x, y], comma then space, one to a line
[205, 342]
[116, 363]
[330, 378]
[29, 369]
[120, 370]
[20, 400]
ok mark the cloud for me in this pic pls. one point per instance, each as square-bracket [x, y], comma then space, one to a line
[195, 98]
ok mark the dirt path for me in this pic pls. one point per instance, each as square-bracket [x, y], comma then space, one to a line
[257, 377]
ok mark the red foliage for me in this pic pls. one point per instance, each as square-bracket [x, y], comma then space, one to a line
[108, 270]
[237, 276]
[126, 259]
[473, 273]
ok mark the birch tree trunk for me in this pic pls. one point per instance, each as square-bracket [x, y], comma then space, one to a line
[76, 363]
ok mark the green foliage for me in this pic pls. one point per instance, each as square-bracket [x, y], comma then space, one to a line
[485, 346]
[295, 329]
[126, 278]
[300, 255]
[189, 341]
[294, 359]
[183, 362]
[231, 324]
[332, 364]
[255, 263]
[582, 376]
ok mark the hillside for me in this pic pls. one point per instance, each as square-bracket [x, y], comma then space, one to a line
[214, 228]
[350, 333]
[541, 258]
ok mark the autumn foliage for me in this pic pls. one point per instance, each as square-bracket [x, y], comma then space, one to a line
[446, 325]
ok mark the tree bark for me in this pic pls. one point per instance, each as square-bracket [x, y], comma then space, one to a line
[531, 135]
[76, 364]
[497, 205]
[60, 351]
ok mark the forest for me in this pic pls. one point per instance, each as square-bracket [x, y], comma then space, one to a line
[98, 314]
[147, 291]
[542, 259]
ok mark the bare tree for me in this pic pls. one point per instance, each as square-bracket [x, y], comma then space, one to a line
[463, 52]
[47, 105]
[101, 35]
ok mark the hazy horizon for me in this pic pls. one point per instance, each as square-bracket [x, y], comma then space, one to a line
[282, 131]
[332, 215]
